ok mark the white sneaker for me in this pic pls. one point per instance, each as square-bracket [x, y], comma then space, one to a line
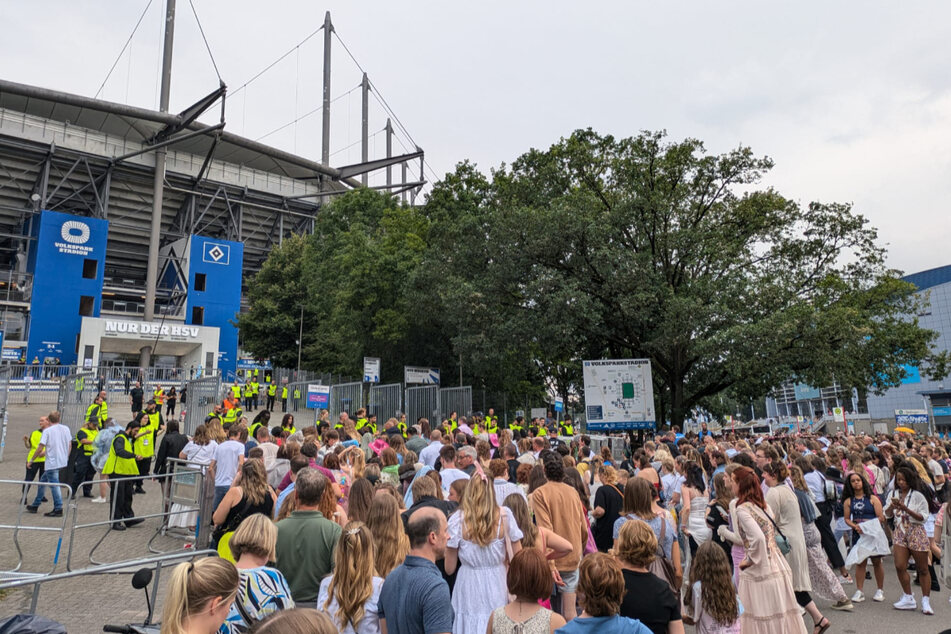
[100, 500]
[858, 597]
[846, 580]
[906, 602]
[879, 596]
[926, 606]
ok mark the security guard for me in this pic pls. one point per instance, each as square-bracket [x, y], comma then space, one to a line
[566, 427]
[150, 423]
[402, 424]
[491, 423]
[284, 398]
[159, 396]
[84, 471]
[296, 397]
[453, 421]
[248, 396]
[94, 411]
[120, 466]
[255, 390]
[103, 409]
[361, 419]
[369, 425]
[517, 427]
[236, 390]
[271, 393]
[34, 467]
[231, 417]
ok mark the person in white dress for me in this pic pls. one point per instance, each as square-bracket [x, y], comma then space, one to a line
[351, 595]
[200, 450]
[482, 538]
[694, 496]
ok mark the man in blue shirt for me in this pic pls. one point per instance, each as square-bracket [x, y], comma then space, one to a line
[415, 597]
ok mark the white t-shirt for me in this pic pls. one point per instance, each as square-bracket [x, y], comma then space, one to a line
[227, 456]
[449, 476]
[56, 439]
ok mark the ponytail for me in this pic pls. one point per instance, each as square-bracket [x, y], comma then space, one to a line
[192, 586]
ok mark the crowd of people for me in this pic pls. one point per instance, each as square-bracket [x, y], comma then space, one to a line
[356, 527]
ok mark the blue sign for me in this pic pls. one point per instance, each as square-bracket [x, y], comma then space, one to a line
[218, 299]
[941, 411]
[559, 405]
[912, 419]
[805, 392]
[606, 426]
[318, 396]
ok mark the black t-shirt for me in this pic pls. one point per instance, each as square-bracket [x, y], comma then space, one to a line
[136, 394]
[650, 600]
[611, 500]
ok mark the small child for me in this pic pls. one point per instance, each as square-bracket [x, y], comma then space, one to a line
[713, 605]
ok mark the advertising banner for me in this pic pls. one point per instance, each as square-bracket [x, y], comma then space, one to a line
[318, 396]
[911, 417]
[413, 375]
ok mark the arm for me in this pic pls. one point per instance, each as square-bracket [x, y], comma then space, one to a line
[724, 531]
[556, 546]
[847, 515]
[675, 627]
[749, 529]
[685, 512]
[877, 505]
[675, 560]
[40, 453]
[452, 560]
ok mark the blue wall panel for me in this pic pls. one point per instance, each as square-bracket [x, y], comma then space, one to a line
[220, 261]
[63, 244]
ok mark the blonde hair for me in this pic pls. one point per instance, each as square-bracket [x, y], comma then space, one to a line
[192, 586]
[296, 621]
[608, 475]
[256, 535]
[358, 463]
[215, 431]
[391, 541]
[352, 582]
[480, 513]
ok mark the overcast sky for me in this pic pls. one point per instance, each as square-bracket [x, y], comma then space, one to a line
[851, 100]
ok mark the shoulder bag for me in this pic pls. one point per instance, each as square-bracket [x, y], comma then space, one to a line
[662, 566]
[781, 542]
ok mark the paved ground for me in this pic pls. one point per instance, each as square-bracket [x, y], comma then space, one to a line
[86, 603]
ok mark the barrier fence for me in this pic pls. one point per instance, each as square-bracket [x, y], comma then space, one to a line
[345, 397]
[201, 395]
[386, 401]
[4, 418]
[422, 402]
[76, 394]
[455, 399]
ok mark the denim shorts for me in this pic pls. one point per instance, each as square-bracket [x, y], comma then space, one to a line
[570, 577]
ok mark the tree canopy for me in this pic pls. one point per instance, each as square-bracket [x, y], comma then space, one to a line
[597, 247]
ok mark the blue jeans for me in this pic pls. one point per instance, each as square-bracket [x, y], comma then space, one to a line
[51, 476]
[219, 495]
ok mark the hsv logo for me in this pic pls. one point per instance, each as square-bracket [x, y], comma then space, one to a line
[216, 253]
[75, 232]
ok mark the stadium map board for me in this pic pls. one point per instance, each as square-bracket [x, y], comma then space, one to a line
[619, 394]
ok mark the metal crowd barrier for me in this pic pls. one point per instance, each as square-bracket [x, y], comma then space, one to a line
[129, 566]
[345, 397]
[422, 402]
[386, 401]
[202, 395]
[455, 399]
[19, 527]
[187, 486]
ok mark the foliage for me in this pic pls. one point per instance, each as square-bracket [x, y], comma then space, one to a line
[650, 248]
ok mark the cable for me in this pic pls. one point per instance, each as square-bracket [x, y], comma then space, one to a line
[109, 74]
[343, 149]
[302, 117]
[272, 64]
[386, 106]
[207, 46]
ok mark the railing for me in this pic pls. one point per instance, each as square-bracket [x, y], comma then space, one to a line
[16, 287]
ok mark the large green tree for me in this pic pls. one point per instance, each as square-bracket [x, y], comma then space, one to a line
[654, 248]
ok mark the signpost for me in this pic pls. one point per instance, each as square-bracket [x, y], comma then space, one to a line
[619, 394]
[371, 369]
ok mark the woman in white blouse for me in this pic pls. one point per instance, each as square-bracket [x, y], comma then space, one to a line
[909, 507]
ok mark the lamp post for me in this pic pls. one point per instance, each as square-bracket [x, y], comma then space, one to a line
[300, 338]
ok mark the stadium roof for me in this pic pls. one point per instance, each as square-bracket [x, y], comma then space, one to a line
[930, 278]
[140, 125]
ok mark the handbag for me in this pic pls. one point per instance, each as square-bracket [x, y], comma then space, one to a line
[661, 566]
[781, 542]
[229, 527]
[589, 545]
